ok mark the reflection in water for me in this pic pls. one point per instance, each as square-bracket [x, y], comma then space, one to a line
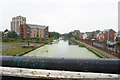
[64, 49]
[71, 43]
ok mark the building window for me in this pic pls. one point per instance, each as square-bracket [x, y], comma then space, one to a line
[27, 29]
[34, 32]
[110, 35]
[27, 32]
[46, 32]
[37, 32]
[27, 35]
[21, 32]
[40, 32]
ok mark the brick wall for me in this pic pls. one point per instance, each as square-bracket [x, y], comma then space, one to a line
[109, 36]
[31, 32]
[25, 31]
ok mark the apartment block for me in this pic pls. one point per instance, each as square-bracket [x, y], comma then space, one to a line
[16, 22]
[33, 31]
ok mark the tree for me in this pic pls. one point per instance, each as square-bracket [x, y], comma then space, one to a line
[68, 35]
[54, 35]
[37, 39]
[6, 30]
[5, 39]
[12, 34]
[117, 39]
[76, 37]
[97, 31]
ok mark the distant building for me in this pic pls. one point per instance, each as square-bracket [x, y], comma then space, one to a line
[5, 33]
[95, 35]
[81, 35]
[85, 36]
[62, 37]
[88, 35]
[16, 22]
[76, 32]
[33, 31]
[117, 35]
[107, 34]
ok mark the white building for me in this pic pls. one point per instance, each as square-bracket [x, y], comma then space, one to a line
[16, 22]
[85, 36]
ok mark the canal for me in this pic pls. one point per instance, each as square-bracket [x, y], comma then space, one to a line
[62, 49]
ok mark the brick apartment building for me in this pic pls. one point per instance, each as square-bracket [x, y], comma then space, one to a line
[33, 31]
[107, 34]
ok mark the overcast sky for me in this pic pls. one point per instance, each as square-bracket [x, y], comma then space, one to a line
[62, 15]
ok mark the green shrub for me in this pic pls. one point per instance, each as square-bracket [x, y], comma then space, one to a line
[11, 39]
[81, 45]
[37, 39]
[12, 34]
[5, 39]
[23, 39]
[50, 39]
[74, 41]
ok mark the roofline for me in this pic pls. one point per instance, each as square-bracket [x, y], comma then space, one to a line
[36, 24]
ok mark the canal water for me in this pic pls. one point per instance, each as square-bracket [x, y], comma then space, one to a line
[62, 49]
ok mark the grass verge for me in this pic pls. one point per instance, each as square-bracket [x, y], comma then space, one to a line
[77, 43]
[14, 48]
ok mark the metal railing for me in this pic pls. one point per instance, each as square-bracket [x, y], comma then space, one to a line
[59, 68]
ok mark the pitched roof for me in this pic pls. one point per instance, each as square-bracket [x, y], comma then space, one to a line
[6, 32]
[77, 31]
[18, 17]
[81, 34]
[106, 30]
[89, 33]
[36, 26]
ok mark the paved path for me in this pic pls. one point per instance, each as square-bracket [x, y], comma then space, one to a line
[101, 51]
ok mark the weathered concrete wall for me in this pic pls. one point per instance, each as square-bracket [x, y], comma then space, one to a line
[53, 74]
